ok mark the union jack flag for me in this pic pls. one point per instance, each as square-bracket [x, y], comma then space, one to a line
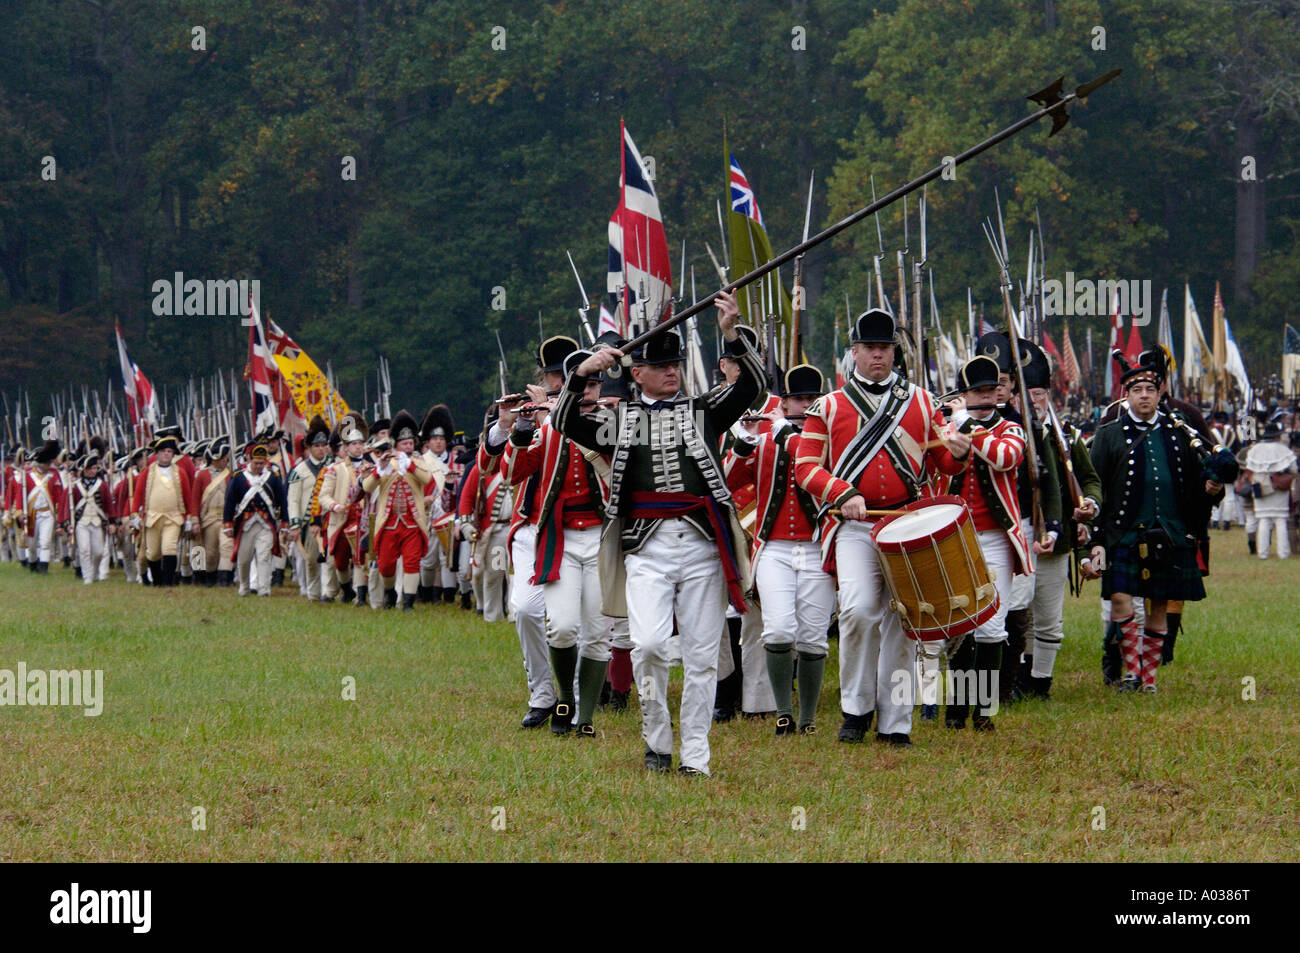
[742, 196]
[639, 269]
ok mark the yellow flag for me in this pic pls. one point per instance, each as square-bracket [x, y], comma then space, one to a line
[312, 393]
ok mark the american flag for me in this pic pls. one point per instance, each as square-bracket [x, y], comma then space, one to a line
[639, 269]
[742, 196]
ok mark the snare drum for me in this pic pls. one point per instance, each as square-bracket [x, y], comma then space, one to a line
[936, 574]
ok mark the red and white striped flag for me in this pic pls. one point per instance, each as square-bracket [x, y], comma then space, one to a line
[141, 402]
[1070, 363]
[272, 398]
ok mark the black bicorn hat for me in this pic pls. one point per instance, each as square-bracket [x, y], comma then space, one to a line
[404, 427]
[731, 349]
[803, 380]
[318, 433]
[873, 327]
[1035, 366]
[552, 352]
[437, 423]
[997, 346]
[979, 371]
[663, 348]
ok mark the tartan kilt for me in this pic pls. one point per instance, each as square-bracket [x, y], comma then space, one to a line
[1177, 577]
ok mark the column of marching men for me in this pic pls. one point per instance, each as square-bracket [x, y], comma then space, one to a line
[624, 527]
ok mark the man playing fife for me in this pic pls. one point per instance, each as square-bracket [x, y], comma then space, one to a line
[871, 445]
[401, 517]
[672, 548]
[302, 485]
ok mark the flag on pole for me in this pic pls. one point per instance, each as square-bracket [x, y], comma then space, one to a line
[141, 401]
[1233, 365]
[1069, 361]
[1058, 361]
[1116, 327]
[750, 247]
[640, 273]
[311, 391]
[1165, 339]
[1217, 320]
[273, 405]
[1290, 361]
[1196, 352]
[607, 322]
[1133, 350]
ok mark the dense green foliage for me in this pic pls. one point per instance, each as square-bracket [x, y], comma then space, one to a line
[476, 167]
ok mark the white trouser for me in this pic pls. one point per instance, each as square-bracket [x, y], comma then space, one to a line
[797, 595]
[677, 572]
[999, 559]
[875, 655]
[927, 670]
[573, 615]
[308, 569]
[435, 567]
[530, 620]
[90, 552]
[375, 582]
[126, 542]
[620, 636]
[491, 574]
[756, 688]
[464, 577]
[1021, 591]
[1273, 525]
[255, 544]
[41, 542]
[1252, 524]
[1050, 575]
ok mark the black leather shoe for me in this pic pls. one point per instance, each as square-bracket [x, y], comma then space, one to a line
[467, 600]
[449, 594]
[425, 593]
[349, 594]
[562, 720]
[784, 725]
[721, 715]
[390, 598]
[855, 728]
[586, 731]
[363, 596]
[408, 601]
[1040, 688]
[659, 763]
[536, 717]
[690, 772]
[929, 712]
[618, 700]
[898, 739]
[277, 577]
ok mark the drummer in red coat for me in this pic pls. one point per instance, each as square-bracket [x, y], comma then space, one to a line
[871, 445]
[989, 488]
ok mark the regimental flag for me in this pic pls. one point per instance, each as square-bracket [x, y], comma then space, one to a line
[1116, 328]
[1070, 372]
[1233, 365]
[640, 274]
[1058, 362]
[273, 404]
[1220, 339]
[1290, 361]
[608, 322]
[141, 401]
[311, 390]
[1165, 339]
[1196, 352]
[750, 248]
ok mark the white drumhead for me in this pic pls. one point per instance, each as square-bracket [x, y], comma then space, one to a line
[920, 523]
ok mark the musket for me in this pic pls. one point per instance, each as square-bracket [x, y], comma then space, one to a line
[1031, 449]
[797, 305]
[722, 231]
[586, 304]
[501, 368]
[922, 344]
[722, 272]
[877, 258]
[1054, 104]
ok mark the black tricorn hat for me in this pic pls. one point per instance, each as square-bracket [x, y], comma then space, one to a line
[1037, 370]
[47, 453]
[172, 431]
[553, 351]
[873, 327]
[218, 447]
[166, 442]
[404, 427]
[803, 380]
[612, 339]
[997, 346]
[573, 360]
[664, 348]
[89, 460]
[318, 432]
[437, 423]
[731, 349]
[979, 371]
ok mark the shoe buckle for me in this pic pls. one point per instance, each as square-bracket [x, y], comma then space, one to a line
[562, 709]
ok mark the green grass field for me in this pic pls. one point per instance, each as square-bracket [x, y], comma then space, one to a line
[235, 706]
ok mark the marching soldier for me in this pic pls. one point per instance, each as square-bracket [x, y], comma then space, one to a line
[93, 519]
[872, 444]
[1270, 468]
[163, 507]
[130, 537]
[210, 503]
[341, 511]
[672, 548]
[567, 509]
[44, 505]
[989, 487]
[796, 595]
[302, 488]
[11, 502]
[401, 510]
[483, 512]
[437, 580]
[1155, 508]
[254, 511]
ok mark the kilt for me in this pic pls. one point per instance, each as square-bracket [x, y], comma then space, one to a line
[1176, 577]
